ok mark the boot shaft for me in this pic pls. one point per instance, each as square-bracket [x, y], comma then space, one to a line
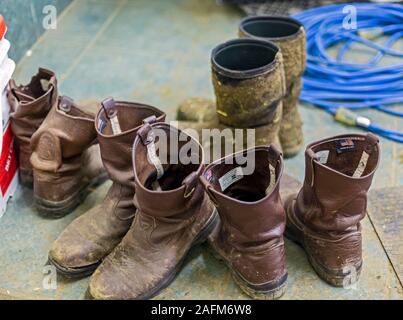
[285, 32]
[62, 138]
[116, 148]
[248, 80]
[167, 164]
[30, 105]
[338, 174]
[248, 200]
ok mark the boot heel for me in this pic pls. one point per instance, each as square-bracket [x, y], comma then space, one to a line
[270, 291]
[336, 278]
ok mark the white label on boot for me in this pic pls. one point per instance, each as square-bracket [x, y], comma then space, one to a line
[272, 179]
[44, 84]
[230, 178]
[323, 156]
[153, 158]
[115, 125]
[361, 165]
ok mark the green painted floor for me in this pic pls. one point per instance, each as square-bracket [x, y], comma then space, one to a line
[157, 52]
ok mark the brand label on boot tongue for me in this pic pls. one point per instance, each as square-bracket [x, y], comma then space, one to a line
[230, 178]
[345, 145]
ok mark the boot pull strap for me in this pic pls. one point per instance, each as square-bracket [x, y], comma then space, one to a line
[150, 120]
[207, 188]
[109, 107]
[190, 183]
[147, 138]
[371, 142]
[112, 114]
[65, 103]
[144, 134]
[312, 155]
[274, 153]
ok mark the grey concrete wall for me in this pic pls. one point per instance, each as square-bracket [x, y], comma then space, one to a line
[24, 21]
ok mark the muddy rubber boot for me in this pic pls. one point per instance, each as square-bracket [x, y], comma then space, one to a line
[249, 84]
[289, 35]
[65, 159]
[324, 217]
[91, 237]
[174, 214]
[30, 105]
[249, 237]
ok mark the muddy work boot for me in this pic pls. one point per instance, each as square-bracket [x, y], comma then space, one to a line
[65, 159]
[249, 83]
[324, 217]
[174, 214]
[88, 239]
[30, 105]
[249, 237]
[289, 35]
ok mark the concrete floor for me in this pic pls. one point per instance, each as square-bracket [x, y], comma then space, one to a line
[157, 52]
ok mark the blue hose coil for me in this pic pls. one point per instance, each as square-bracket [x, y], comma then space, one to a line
[341, 87]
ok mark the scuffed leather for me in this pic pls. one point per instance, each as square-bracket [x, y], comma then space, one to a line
[165, 227]
[30, 105]
[91, 237]
[325, 215]
[57, 152]
[250, 235]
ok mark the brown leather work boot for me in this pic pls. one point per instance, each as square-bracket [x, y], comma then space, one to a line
[88, 239]
[30, 105]
[174, 214]
[65, 159]
[289, 35]
[324, 217]
[249, 237]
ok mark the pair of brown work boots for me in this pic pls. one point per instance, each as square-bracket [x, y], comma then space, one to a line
[323, 215]
[56, 142]
[257, 83]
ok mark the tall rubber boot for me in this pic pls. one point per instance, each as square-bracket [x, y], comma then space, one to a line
[324, 217]
[174, 214]
[249, 83]
[30, 105]
[65, 159]
[289, 35]
[249, 238]
[90, 238]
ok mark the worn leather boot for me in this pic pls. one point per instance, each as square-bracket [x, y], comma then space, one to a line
[289, 35]
[65, 159]
[30, 105]
[249, 237]
[88, 239]
[324, 217]
[174, 214]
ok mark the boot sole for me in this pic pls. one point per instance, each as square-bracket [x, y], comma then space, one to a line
[268, 291]
[334, 277]
[74, 273]
[55, 210]
[200, 238]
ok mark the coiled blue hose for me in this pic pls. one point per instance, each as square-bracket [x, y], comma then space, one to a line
[338, 86]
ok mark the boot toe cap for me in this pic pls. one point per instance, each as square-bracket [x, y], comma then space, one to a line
[71, 250]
